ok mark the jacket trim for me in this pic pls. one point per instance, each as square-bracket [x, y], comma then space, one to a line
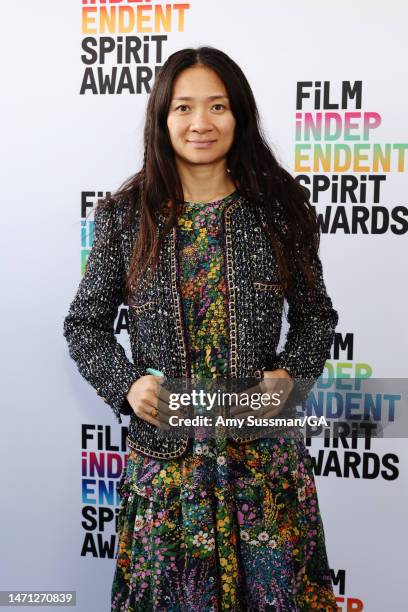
[268, 286]
[158, 455]
[183, 442]
[177, 303]
[230, 274]
[181, 343]
[140, 308]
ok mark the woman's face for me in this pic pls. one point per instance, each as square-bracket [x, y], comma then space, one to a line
[200, 121]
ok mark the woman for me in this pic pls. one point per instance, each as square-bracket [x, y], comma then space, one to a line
[204, 244]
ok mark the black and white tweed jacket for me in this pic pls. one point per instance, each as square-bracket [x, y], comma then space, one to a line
[156, 328]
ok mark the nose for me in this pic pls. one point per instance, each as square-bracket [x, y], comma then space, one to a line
[200, 121]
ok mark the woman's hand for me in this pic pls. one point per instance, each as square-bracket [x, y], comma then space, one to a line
[276, 381]
[280, 373]
[149, 400]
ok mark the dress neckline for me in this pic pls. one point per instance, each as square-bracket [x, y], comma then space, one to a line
[212, 203]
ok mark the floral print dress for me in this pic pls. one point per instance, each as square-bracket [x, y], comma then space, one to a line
[227, 526]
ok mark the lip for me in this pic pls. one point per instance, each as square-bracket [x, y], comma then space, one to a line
[201, 144]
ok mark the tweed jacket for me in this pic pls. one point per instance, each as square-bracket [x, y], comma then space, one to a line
[156, 327]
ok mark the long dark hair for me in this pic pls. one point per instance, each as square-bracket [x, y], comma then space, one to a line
[253, 168]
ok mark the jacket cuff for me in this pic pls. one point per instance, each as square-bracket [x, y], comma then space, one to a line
[125, 408]
[301, 385]
[117, 387]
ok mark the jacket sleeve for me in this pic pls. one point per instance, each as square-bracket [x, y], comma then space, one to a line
[89, 325]
[312, 320]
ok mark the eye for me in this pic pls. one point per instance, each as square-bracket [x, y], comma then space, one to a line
[181, 107]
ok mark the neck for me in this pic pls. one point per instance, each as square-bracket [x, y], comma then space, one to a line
[205, 182]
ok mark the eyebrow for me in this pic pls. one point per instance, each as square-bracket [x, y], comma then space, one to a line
[209, 97]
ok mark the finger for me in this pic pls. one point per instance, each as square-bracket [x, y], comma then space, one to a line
[274, 384]
[157, 418]
[259, 408]
[164, 417]
[245, 413]
[258, 414]
[242, 396]
[164, 410]
[255, 403]
[164, 403]
[164, 393]
[160, 397]
[250, 408]
[151, 398]
[157, 379]
[153, 412]
[147, 417]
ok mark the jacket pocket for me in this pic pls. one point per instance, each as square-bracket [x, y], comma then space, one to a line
[269, 287]
[140, 308]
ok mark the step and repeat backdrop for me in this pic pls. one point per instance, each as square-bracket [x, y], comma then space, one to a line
[332, 97]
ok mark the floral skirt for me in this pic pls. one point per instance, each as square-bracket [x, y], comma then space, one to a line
[225, 527]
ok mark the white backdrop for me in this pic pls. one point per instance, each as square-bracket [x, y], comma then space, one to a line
[60, 148]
